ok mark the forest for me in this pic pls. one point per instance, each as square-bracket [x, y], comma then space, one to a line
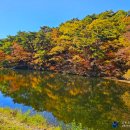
[97, 45]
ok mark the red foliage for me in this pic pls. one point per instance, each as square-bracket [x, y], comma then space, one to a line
[19, 53]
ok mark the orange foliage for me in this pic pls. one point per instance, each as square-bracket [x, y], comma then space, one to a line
[54, 35]
[2, 55]
[19, 53]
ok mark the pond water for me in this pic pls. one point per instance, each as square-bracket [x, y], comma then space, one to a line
[93, 102]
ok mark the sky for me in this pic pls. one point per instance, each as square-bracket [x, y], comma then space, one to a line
[30, 15]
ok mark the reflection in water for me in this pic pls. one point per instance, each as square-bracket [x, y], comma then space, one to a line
[95, 103]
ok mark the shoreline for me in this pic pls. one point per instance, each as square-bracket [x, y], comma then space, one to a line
[117, 80]
[14, 119]
[65, 72]
[11, 119]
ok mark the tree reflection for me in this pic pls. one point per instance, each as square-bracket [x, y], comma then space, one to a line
[69, 97]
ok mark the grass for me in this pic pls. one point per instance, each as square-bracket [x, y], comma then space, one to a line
[16, 120]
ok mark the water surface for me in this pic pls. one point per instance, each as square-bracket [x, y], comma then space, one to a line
[93, 102]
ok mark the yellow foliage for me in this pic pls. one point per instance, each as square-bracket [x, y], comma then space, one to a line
[127, 75]
[127, 20]
[70, 27]
[126, 99]
[56, 50]
[96, 24]
[77, 59]
[124, 41]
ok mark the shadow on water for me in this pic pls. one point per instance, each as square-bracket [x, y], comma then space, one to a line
[95, 103]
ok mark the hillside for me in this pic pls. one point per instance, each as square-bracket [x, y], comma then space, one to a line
[97, 45]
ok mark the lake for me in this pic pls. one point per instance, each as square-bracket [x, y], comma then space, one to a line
[60, 98]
